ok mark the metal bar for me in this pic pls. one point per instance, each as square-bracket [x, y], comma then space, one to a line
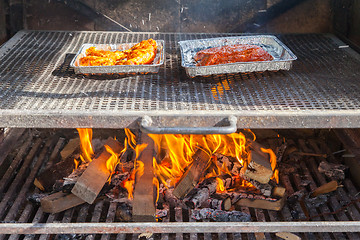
[175, 227]
[145, 126]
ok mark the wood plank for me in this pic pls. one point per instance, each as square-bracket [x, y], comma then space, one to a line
[46, 180]
[96, 175]
[259, 167]
[261, 203]
[145, 191]
[191, 177]
[59, 202]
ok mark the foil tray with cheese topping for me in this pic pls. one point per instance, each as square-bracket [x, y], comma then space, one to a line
[142, 68]
[282, 55]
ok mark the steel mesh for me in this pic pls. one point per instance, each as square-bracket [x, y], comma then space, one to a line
[35, 77]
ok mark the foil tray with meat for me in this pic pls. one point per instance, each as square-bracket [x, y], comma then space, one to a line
[122, 66]
[210, 56]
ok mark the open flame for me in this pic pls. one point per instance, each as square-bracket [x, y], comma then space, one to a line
[175, 153]
[87, 151]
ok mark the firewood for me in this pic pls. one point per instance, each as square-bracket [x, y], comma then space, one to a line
[242, 199]
[259, 167]
[326, 188]
[72, 146]
[47, 178]
[278, 192]
[172, 200]
[192, 176]
[89, 185]
[144, 190]
[287, 235]
[58, 202]
[266, 189]
[201, 194]
[218, 201]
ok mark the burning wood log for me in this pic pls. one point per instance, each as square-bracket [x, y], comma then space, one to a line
[218, 201]
[259, 167]
[191, 177]
[46, 180]
[59, 202]
[220, 216]
[265, 189]
[144, 191]
[243, 199]
[208, 187]
[172, 200]
[96, 175]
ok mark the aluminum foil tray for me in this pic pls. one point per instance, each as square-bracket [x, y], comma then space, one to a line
[283, 57]
[146, 68]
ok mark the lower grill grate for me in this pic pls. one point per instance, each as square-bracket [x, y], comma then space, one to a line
[36, 149]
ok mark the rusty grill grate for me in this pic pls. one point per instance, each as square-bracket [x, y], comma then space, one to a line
[38, 89]
[34, 150]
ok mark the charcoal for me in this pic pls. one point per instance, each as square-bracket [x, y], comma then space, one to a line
[316, 201]
[220, 216]
[123, 212]
[70, 236]
[332, 170]
[161, 213]
[36, 197]
[67, 187]
[204, 213]
[238, 216]
[296, 196]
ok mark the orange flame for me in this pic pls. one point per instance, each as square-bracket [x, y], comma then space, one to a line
[156, 183]
[220, 188]
[112, 161]
[87, 151]
[273, 163]
[138, 171]
[176, 151]
[76, 164]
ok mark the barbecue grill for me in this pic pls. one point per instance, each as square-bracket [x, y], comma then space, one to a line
[40, 90]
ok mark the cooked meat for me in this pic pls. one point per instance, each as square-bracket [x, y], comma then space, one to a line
[142, 53]
[231, 54]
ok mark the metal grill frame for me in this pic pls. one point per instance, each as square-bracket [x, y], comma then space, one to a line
[188, 114]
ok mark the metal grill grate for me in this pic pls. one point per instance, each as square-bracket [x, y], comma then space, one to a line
[38, 89]
[35, 150]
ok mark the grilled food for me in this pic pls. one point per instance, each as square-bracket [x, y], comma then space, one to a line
[141, 53]
[231, 54]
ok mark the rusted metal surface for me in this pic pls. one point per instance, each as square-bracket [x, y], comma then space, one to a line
[178, 227]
